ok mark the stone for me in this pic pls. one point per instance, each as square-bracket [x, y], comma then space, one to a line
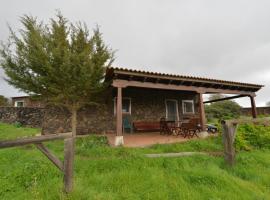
[203, 134]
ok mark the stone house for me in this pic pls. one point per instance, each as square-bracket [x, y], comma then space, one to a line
[146, 97]
[26, 101]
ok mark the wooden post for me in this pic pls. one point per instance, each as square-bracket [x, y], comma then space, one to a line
[68, 164]
[119, 122]
[202, 112]
[253, 107]
[69, 154]
[229, 131]
[119, 140]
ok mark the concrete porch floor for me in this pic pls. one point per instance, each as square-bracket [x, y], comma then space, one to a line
[147, 139]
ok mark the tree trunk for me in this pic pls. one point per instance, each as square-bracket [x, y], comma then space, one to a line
[69, 151]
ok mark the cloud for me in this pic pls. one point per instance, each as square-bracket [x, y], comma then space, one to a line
[218, 39]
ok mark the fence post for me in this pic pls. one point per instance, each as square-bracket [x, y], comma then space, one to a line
[229, 131]
[68, 164]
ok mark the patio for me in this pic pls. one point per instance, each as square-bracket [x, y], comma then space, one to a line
[147, 139]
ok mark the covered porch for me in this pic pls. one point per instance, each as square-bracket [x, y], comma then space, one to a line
[123, 79]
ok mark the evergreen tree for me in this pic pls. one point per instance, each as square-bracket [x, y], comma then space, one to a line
[59, 62]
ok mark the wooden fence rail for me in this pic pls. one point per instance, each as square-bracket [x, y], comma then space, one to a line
[65, 167]
[33, 140]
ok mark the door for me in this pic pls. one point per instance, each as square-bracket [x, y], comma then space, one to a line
[171, 110]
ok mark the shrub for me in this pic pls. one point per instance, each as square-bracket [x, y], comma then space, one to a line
[18, 124]
[227, 109]
[252, 136]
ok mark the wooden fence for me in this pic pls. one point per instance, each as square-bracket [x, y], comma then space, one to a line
[229, 129]
[66, 167]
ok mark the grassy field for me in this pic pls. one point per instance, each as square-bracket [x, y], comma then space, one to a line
[102, 172]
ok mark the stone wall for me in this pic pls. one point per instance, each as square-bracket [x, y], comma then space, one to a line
[146, 105]
[26, 116]
[90, 119]
[260, 111]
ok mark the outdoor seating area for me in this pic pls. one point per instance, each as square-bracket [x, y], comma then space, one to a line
[187, 128]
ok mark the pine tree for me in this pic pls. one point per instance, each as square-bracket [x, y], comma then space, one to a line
[59, 62]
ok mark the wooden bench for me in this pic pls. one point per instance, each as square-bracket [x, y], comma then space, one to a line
[146, 126]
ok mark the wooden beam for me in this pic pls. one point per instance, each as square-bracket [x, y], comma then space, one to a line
[130, 78]
[69, 144]
[119, 122]
[125, 83]
[144, 79]
[181, 154]
[33, 140]
[226, 98]
[202, 112]
[58, 163]
[253, 107]
[140, 74]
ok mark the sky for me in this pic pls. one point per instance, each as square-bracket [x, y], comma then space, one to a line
[227, 40]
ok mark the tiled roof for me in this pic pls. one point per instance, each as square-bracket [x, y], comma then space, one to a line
[180, 77]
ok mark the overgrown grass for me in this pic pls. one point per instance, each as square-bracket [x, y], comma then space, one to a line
[13, 131]
[102, 172]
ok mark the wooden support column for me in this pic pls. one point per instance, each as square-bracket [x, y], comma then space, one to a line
[202, 112]
[119, 112]
[253, 107]
[119, 127]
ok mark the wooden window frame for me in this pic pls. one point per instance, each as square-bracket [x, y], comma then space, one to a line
[177, 111]
[114, 105]
[183, 107]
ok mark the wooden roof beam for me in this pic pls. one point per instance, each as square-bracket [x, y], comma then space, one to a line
[125, 83]
[224, 99]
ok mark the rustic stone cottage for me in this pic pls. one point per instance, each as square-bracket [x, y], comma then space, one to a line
[144, 98]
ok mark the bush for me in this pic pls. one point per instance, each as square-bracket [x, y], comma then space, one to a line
[250, 136]
[18, 124]
[223, 110]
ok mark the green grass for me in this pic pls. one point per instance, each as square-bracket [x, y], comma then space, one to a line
[102, 172]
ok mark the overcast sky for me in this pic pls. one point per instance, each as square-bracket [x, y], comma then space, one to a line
[216, 39]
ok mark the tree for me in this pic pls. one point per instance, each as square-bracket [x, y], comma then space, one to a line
[268, 103]
[60, 63]
[4, 101]
[223, 109]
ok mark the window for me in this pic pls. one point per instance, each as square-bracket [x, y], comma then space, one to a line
[126, 105]
[188, 106]
[171, 110]
[19, 103]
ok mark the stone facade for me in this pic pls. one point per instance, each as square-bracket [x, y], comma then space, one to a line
[146, 105]
[26, 116]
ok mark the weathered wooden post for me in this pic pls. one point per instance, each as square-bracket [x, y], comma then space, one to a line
[69, 151]
[229, 131]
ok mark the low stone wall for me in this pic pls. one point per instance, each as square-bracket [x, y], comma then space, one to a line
[58, 120]
[90, 120]
[25, 115]
[260, 111]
